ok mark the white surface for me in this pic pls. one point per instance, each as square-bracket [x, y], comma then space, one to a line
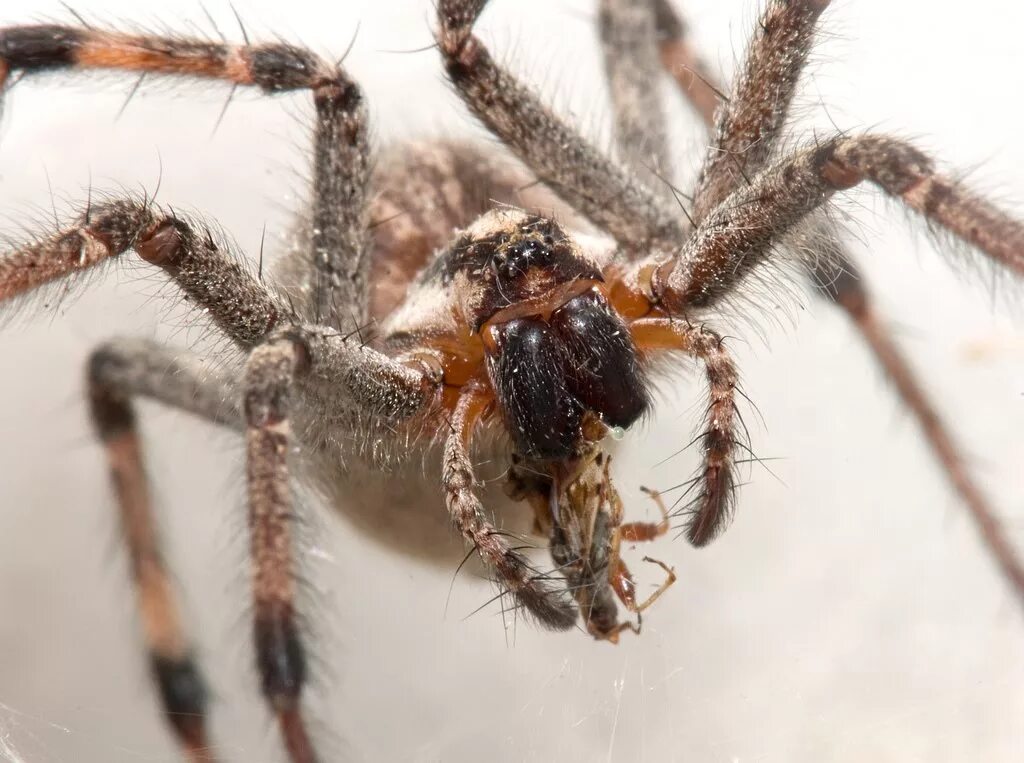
[849, 614]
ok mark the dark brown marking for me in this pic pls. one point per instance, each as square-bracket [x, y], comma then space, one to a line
[940, 194]
[277, 68]
[184, 698]
[280, 657]
[835, 172]
[111, 414]
[840, 176]
[40, 47]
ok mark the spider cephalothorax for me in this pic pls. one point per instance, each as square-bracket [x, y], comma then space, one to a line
[483, 314]
[528, 302]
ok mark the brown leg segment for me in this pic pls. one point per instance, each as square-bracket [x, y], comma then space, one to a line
[213, 279]
[618, 574]
[643, 532]
[280, 657]
[621, 581]
[550, 606]
[341, 176]
[118, 371]
[361, 379]
[741, 232]
[684, 64]
[710, 510]
[748, 125]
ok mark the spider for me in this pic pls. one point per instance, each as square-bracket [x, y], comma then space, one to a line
[540, 318]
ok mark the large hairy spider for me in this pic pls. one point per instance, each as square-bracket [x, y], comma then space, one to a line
[446, 291]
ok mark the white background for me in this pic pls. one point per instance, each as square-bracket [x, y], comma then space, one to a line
[848, 614]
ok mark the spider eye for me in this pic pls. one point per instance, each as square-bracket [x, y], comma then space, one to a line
[523, 255]
[600, 359]
[528, 376]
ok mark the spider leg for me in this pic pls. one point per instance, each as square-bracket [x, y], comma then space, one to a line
[336, 234]
[748, 125]
[629, 45]
[280, 657]
[581, 175]
[341, 175]
[621, 581]
[550, 606]
[245, 311]
[848, 292]
[709, 511]
[740, 233]
[619, 577]
[273, 374]
[639, 532]
[684, 64]
[357, 377]
[117, 372]
[211, 278]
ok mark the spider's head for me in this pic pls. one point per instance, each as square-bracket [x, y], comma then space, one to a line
[555, 349]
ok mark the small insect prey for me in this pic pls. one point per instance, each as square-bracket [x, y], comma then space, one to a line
[530, 286]
[576, 505]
